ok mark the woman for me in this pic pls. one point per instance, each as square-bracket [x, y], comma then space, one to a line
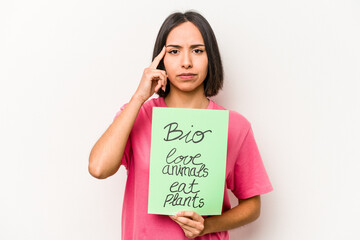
[185, 71]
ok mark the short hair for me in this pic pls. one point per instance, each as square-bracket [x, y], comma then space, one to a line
[214, 78]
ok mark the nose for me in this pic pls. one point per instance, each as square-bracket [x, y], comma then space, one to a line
[186, 60]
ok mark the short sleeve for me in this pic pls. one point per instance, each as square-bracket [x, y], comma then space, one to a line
[127, 152]
[250, 176]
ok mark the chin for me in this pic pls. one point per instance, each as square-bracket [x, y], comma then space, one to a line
[185, 87]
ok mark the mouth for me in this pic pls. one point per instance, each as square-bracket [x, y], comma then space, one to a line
[187, 75]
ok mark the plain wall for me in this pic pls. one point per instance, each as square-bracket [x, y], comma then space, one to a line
[292, 68]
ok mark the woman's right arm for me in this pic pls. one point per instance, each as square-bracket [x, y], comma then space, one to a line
[105, 156]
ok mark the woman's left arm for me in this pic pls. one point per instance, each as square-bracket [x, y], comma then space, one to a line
[248, 210]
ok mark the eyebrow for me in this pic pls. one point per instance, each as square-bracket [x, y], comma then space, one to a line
[192, 46]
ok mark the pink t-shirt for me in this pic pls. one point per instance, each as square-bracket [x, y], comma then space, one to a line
[245, 176]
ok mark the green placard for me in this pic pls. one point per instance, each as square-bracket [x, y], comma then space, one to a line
[187, 160]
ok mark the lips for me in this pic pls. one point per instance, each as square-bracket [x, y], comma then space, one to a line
[187, 75]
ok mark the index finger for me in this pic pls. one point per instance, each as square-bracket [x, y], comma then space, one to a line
[157, 59]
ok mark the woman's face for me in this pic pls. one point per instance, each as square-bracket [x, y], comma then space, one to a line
[185, 54]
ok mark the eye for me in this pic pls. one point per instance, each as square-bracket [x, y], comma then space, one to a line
[198, 50]
[174, 51]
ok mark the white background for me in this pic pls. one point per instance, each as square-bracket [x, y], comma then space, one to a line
[292, 68]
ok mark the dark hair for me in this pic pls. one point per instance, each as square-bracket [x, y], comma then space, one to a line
[214, 79]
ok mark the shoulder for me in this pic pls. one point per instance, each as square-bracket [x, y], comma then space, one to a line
[237, 122]
[149, 104]
[153, 102]
[146, 108]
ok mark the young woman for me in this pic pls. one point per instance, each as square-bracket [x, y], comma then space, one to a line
[185, 71]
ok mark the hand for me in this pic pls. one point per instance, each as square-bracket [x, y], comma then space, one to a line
[152, 79]
[191, 223]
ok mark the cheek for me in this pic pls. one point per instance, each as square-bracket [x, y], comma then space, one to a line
[202, 63]
[166, 63]
[204, 66]
[168, 66]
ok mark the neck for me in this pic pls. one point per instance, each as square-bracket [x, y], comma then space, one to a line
[179, 99]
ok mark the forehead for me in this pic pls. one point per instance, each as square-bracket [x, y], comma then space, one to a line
[185, 34]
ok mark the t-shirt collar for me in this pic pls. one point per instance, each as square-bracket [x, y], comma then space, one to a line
[163, 104]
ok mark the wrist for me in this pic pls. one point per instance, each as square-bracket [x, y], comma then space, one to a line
[138, 99]
[207, 226]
